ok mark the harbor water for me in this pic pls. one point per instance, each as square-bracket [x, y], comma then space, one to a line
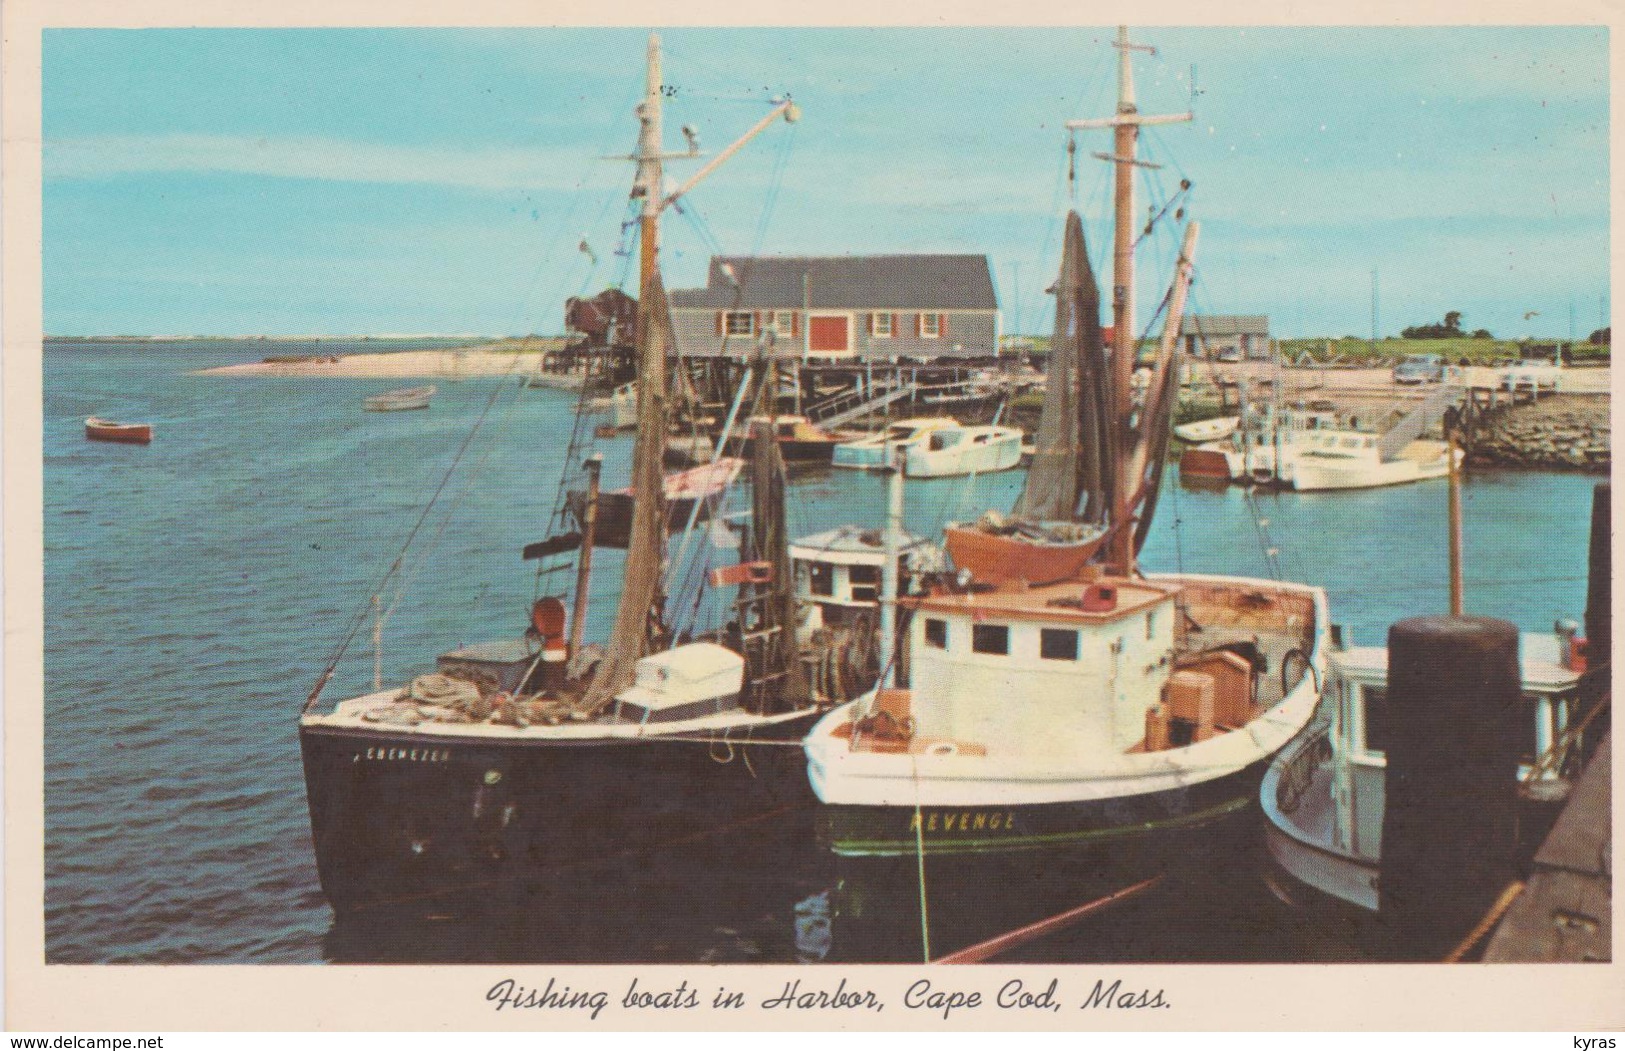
[195, 589]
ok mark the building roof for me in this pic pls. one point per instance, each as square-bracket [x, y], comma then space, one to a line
[895, 282]
[1225, 325]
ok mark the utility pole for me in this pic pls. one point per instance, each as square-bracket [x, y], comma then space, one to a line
[1373, 346]
[1015, 318]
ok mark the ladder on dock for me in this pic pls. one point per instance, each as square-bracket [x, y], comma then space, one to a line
[1410, 428]
[832, 413]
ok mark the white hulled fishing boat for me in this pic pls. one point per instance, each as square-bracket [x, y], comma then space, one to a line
[1062, 737]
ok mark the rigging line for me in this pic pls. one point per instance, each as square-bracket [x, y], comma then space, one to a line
[503, 422]
[693, 574]
[360, 617]
[1179, 532]
[613, 132]
[1261, 528]
[1365, 588]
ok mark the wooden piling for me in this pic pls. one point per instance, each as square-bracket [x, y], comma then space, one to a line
[1450, 830]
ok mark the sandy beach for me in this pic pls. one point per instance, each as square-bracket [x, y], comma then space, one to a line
[404, 364]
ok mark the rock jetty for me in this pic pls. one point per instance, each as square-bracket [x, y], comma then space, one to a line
[1561, 431]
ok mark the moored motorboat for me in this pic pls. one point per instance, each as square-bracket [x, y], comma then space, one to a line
[954, 451]
[1312, 451]
[1212, 430]
[98, 429]
[1324, 796]
[800, 440]
[399, 400]
[1342, 461]
[870, 452]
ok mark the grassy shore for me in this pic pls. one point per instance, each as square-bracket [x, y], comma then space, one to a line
[1350, 350]
[1361, 353]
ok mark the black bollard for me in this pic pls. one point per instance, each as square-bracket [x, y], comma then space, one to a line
[1450, 826]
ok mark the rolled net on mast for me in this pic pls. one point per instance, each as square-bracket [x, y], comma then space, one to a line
[638, 617]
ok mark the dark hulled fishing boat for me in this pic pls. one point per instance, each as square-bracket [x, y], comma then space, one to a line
[516, 762]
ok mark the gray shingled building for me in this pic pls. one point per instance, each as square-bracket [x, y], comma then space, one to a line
[832, 307]
[1208, 335]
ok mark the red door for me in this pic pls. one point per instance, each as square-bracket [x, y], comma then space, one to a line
[827, 333]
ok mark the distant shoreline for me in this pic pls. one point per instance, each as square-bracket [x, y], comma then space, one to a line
[468, 339]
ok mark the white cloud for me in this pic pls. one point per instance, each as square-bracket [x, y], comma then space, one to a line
[337, 160]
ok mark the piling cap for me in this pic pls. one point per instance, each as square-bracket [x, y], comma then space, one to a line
[1437, 656]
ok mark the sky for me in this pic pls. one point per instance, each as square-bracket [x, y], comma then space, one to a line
[351, 181]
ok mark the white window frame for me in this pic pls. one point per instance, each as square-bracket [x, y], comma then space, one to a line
[882, 326]
[784, 323]
[728, 328]
[935, 331]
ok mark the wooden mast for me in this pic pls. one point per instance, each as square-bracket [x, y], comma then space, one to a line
[637, 618]
[650, 172]
[1125, 124]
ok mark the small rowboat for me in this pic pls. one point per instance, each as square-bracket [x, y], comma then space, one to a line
[396, 400]
[1213, 430]
[100, 430]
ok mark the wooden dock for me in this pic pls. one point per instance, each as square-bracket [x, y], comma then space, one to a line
[1565, 913]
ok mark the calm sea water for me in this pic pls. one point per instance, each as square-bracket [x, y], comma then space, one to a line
[194, 589]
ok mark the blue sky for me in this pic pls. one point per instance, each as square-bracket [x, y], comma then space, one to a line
[376, 181]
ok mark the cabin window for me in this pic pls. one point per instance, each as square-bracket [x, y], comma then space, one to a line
[741, 323]
[1377, 726]
[865, 583]
[1150, 624]
[823, 578]
[882, 326]
[1058, 644]
[990, 638]
[936, 633]
[930, 325]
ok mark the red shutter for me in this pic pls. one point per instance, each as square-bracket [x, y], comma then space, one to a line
[795, 323]
[871, 324]
[756, 323]
[720, 323]
[894, 330]
[942, 325]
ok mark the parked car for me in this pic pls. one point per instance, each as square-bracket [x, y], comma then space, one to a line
[1530, 374]
[1419, 368]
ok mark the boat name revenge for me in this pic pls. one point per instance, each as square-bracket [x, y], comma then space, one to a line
[964, 821]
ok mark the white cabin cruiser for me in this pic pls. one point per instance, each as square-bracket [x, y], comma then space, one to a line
[869, 453]
[1324, 795]
[951, 452]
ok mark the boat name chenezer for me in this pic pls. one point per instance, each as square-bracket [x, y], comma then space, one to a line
[411, 755]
